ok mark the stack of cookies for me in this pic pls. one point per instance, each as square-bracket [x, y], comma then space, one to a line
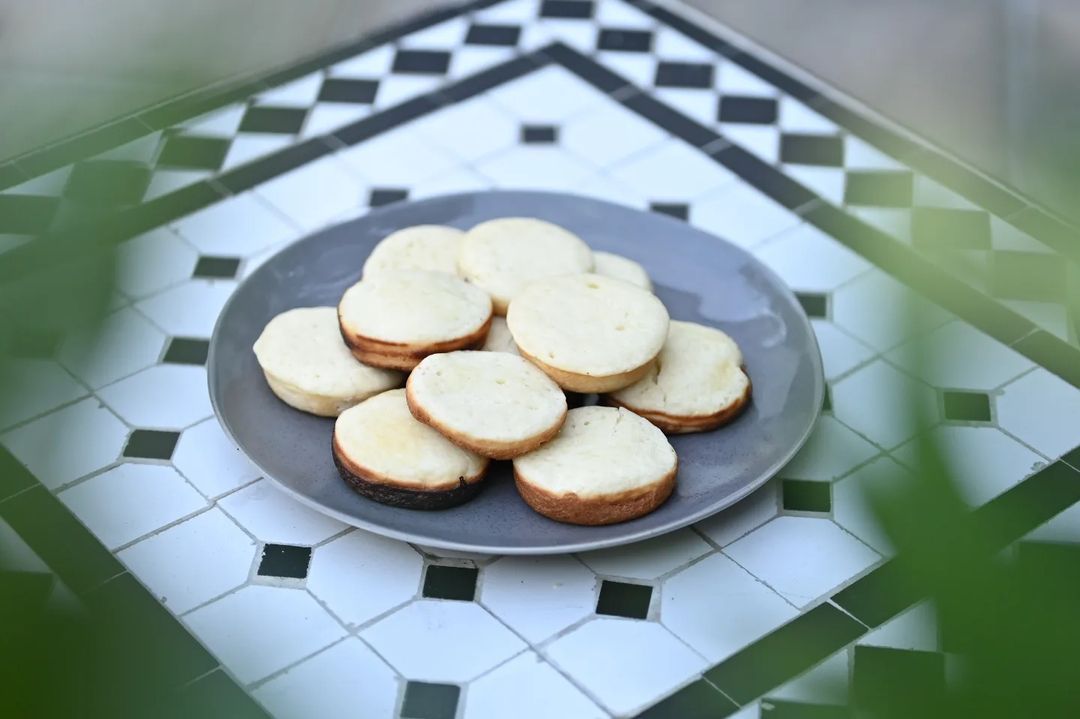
[489, 330]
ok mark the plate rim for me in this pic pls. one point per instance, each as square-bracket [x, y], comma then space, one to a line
[583, 546]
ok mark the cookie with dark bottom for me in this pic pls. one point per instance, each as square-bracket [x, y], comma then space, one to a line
[388, 456]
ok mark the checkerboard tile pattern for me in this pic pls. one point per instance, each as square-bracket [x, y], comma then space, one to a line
[315, 618]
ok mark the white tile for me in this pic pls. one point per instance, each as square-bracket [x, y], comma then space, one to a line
[638, 69]
[840, 352]
[396, 89]
[34, 386]
[161, 396]
[445, 35]
[982, 461]
[51, 184]
[470, 130]
[802, 557]
[1042, 410]
[946, 358]
[760, 140]
[742, 215]
[622, 15]
[537, 167]
[809, 260]
[451, 183]
[273, 516]
[124, 343]
[883, 404]
[218, 123]
[1004, 236]
[442, 641]
[827, 683]
[211, 461]
[471, 59]
[538, 596]
[326, 117]
[189, 309]
[259, 630]
[749, 711]
[1050, 316]
[915, 629]
[672, 170]
[65, 445]
[930, 193]
[396, 159]
[371, 64]
[314, 194]
[626, 664]
[794, 116]
[828, 182]
[251, 146]
[762, 505]
[128, 501]
[648, 559]
[882, 312]
[832, 451]
[672, 46]
[361, 575]
[235, 227]
[608, 133]
[441, 552]
[894, 221]
[859, 155]
[334, 683]
[527, 687]
[168, 179]
[717, 607]
[1062, 527]
[698, 105]
[546, 96]
[192, 562]
[853, 500]
[153, 261]
[513, 12]
[602, 187]
[734, 80]
[296, 93]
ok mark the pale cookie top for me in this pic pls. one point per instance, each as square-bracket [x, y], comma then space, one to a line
[599, 451]
[382, 436]
[621, 268]
[503, 256]
[487, 396]
[423, 247]
[303, 349]
[588, 324]
[698, 373]
[414, 307]
[499, 338]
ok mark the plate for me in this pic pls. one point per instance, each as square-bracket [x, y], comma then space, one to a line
[699, 278]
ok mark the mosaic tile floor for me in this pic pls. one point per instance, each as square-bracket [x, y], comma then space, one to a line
[622, 101]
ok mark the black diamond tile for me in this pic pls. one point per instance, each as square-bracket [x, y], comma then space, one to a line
[878, 189]
[802, 495]
[620, 599]
[424, 700]
[684, 74]
[936, 228]
[1053, 353]
[386, 195]
[505, 35]
[284, 560]
[26, 214]
[967, 406]
[421, 62]
[674, 209]
[187, 151]
[108, 182]
[450, 582]
[187, 350]
[151, 444]
[574, 9]
[625, 40]
[748, 110]
[800, 149]
[337, 89]
[814, 305]
[280, 120]
[879, 672]
[216, 267]
[539, 134]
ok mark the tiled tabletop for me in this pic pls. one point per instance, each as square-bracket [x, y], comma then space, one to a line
[622, 101]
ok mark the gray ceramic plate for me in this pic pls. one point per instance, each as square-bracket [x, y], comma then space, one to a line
[699, 278]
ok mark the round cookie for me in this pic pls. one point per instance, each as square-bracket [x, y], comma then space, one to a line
[606, 465]
[696, 384]
[496, 404]
[587, 332]
[503, 256]
[308, 366]
[386, 455]
[621, 268]
[423, 247]
[499, 338]
[397, 317]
